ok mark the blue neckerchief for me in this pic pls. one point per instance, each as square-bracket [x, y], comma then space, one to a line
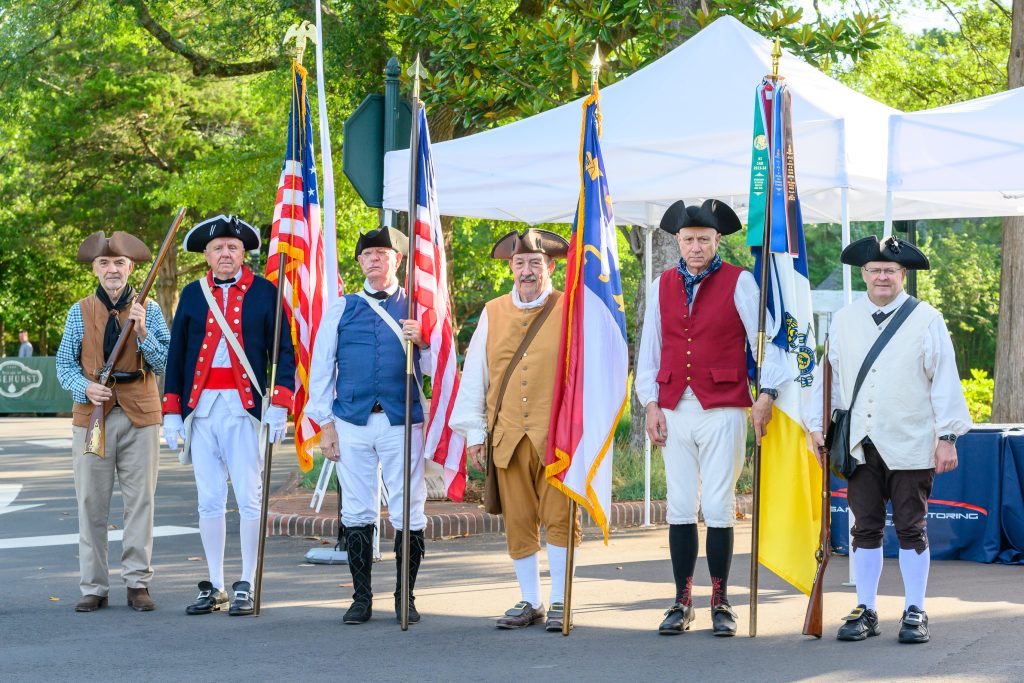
[690, 281]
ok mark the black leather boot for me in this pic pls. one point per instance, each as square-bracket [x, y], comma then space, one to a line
[360, 563]
[417, 548]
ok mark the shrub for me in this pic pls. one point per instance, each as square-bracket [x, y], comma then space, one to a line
[978, 392]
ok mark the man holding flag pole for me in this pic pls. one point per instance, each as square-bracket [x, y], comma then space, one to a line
[593, 358]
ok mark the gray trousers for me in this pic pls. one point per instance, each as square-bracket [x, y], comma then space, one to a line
[132, 454]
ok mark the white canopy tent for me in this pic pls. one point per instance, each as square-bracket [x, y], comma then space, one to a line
[678, 129]
[962, 160]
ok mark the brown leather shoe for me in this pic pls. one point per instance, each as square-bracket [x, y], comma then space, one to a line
[139, 600]
[91, 603]
[522, 615]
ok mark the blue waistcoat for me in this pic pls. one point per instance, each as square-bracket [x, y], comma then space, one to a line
[371, 363]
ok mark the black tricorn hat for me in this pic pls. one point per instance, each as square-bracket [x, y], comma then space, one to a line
[384, 236]
[222, 226]
[892, 249]
[711, 214]
[118, 244]
[530, 241]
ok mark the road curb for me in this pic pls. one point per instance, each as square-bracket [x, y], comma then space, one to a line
[624, 514]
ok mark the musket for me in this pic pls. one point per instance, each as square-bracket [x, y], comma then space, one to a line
[812, 619]
[94, 436]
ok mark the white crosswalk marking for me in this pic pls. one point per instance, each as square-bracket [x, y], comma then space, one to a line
[71, 539]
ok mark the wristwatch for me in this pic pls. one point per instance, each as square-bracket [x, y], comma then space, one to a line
[948, 437]
[774, 393]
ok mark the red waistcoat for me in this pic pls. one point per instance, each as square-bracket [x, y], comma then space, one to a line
[706, 348]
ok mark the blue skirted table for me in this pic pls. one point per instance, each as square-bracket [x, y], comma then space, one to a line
[975, 512]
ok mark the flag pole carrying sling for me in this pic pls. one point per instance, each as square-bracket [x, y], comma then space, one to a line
[410, 370]
[762, 310]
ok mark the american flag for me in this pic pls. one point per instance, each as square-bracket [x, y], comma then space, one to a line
[296, 236]
[433, 310]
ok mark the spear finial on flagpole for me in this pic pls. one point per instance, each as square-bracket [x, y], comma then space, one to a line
[595, 66]
[776, 56]
[418, 72]
[300, 33]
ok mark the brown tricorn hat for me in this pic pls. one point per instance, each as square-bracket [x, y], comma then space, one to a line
[530, 241]
[118, 244]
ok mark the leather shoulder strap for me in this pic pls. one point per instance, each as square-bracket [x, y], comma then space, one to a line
[535, 326]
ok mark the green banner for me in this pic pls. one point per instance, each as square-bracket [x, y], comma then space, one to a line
[29, 385]
[759, 178]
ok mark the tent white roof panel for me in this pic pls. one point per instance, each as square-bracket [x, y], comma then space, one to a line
[678, 129]
[965, 159]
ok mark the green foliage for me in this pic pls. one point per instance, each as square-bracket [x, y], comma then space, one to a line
[939, 66]
[309, 479]
[964, 286]
[978, 391]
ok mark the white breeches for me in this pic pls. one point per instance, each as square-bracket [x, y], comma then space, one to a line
[224, 444]
[362, 448]
[703, 460]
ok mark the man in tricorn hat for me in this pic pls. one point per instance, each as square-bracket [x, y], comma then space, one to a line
[215, 397]
[506, 390]
[131, 407]
[692, 378]
[909, 411]
[357, 396]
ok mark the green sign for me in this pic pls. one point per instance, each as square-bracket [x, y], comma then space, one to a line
[29, 385]
[362, 154]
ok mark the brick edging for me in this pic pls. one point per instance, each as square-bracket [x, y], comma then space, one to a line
[446, 525]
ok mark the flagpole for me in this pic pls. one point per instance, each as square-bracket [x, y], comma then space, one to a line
[762, 310]
[410, 370]
[570, 553]
[300, 33]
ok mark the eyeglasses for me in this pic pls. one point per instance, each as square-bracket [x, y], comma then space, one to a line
[883, 271]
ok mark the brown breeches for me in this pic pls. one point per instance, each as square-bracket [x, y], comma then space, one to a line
[873, 484]
[527, 501]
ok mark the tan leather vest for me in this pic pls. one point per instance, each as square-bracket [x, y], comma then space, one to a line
[140, 400]
[526, 407]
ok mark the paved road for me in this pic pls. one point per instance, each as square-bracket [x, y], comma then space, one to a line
[977, 611]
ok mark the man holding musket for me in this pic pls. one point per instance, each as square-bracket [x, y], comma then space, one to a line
[909, 411]
[357, 395]
[222, 342]
[505, 396]
[131, 408]
[701, 317]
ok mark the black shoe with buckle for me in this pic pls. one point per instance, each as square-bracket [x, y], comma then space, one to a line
[914, 626]
[860, 623]
[241, 601]
[677, 619]
[522, 615]
[723, 620]
[209, 600]
[556, 617]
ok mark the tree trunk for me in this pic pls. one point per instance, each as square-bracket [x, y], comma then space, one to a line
[1008, 401]
[166, 294]
[665, 253]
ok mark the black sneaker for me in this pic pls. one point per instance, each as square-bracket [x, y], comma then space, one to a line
[914, 625]
[860, 623]
[241, 601]
[677, 619]
[209, 600]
